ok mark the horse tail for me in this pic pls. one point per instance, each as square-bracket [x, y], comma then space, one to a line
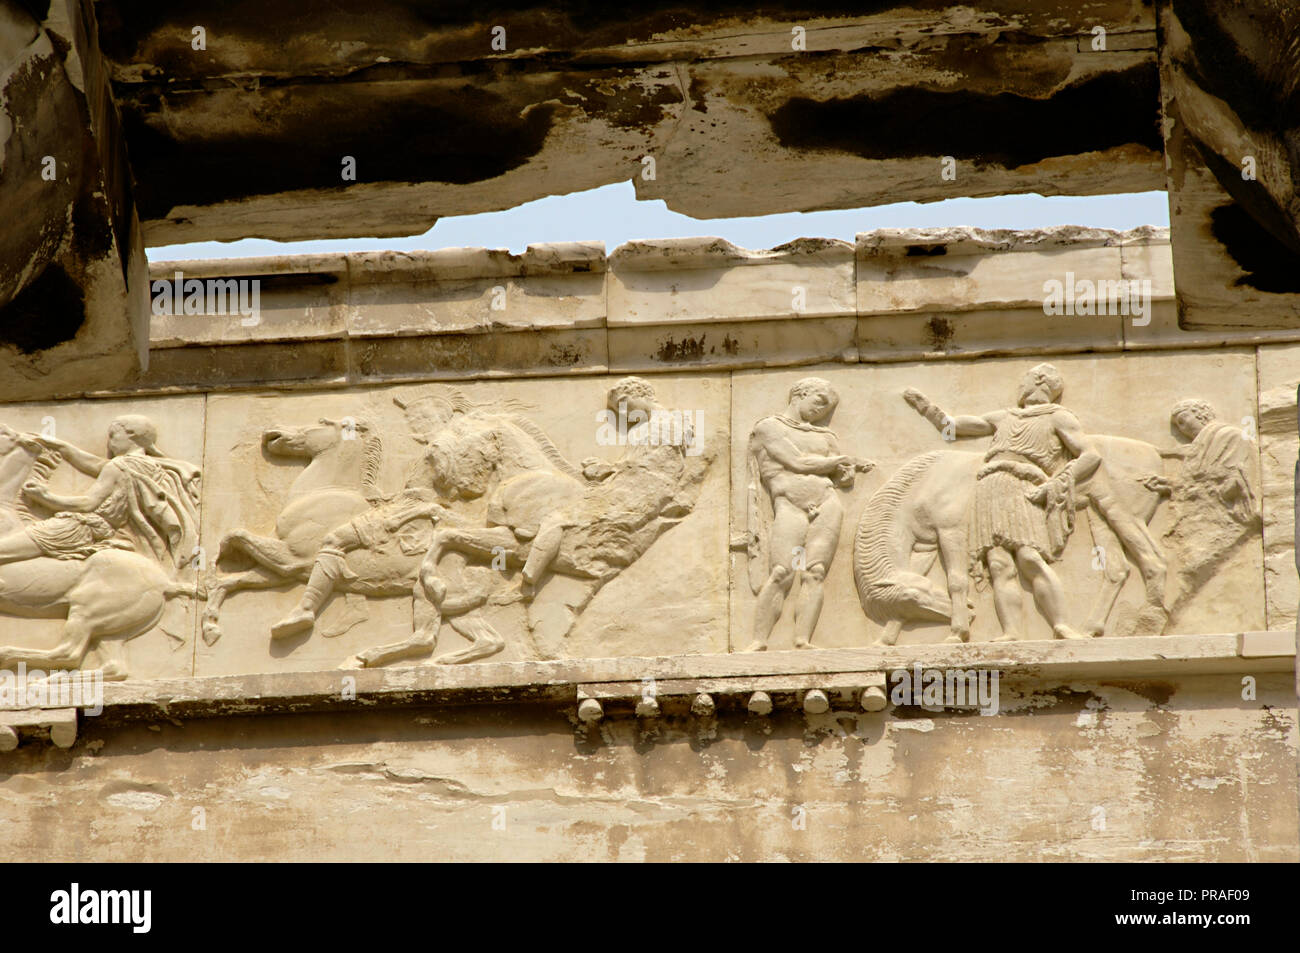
[874, 572]
[549, 449]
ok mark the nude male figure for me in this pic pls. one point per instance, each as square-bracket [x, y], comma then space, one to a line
[797, 461]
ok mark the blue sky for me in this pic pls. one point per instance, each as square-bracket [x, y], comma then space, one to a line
[613, 214]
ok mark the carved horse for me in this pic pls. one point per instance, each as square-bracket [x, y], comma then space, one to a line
[511, 462]
[107, 599]
[921, 513]
[337, 484]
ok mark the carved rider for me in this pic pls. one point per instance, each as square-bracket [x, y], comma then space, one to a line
[141, 500]
[1023, 508]
[624, 496]
[795, 458]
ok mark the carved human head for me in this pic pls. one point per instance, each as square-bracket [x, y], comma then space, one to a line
[634, 393]
[813, 399]
[1190, 415]
[1042, 384]
[131, 432]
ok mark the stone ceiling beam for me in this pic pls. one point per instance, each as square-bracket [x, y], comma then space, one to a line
[73, 280]
[824, 105]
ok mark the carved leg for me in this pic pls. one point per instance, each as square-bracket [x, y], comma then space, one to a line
[892, 630]
[1049, 594]
[1007, 598]
[221, 586]
[71, 651]
[956, 568]
[484, 640]
[274, 565]
[1114, 573]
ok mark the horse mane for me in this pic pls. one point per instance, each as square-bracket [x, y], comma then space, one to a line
[372, 455]
[872, 565]
[543, 442]
[42, 466]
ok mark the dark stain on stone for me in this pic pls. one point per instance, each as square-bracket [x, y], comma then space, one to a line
[134, 28]
[689, 349]
[1259, 83]
[1269, 265]
[564, 355]
[401, 134]
[1003, 129]
[627, 108]
[49, 311]
[39, 9]
[938, 333]
[730, 345]
[920, 251]
[1253, 198]
[1158, 693]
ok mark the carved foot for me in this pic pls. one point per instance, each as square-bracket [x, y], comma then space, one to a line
[755, 646]
[1008, 637]
[298, 621]
[956, 639]
[352, 663]
[802, 644]
[114, 671]
[1064, 631]
[471, 654]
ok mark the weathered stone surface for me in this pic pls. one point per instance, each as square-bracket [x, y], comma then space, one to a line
[447, 113]
[73, 311]
[408, 525]
[874, 423]
[1178, 775]
[709, 279]
[1228, 84]
[1279, 377]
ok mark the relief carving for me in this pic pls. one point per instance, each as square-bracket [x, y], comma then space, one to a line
[1214, 499]
[793, 513]
[107, 559]
[1010, 512]
[544, 518]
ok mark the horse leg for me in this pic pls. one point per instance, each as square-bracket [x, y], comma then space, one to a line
[74, 643]
[423, 640]
[956, 567]
[222, 586]
[484, 640]
[1114, 569]
[274, 565]
[892, 630]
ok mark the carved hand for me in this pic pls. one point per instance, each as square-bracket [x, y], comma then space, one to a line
[1158, 484]
[918, 401]
[34, 491]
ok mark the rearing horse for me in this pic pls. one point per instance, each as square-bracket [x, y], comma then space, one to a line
[106, 599]
[338, 484]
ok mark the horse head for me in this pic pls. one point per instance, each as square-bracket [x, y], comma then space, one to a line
[314, 439]
[343, 452]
